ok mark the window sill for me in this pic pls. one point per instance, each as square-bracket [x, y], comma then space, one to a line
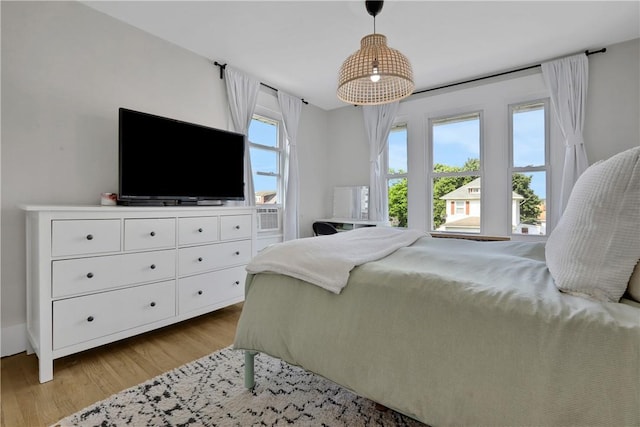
[479, 237]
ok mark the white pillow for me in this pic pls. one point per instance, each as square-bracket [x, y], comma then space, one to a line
[634, 283]
[596, 244]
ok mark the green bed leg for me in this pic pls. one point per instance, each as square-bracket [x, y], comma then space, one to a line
[249, 378]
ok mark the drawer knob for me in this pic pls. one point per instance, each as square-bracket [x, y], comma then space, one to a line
[89, 275]
[237, 282]
[199, 292]
[89, 236]
[153, 304]
[153, 233]
[237, 252]
[152, 266]
[200, 259]
[90, 319]
[200, 230]
[237, 227]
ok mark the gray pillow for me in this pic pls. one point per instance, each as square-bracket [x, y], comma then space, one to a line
[596, 244]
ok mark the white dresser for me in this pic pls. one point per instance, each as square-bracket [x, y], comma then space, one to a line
[97, 274]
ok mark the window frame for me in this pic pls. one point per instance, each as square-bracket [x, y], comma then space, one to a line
[389, 176]
[264, 115]
[546, 168]
[385, 161]
[431, 175]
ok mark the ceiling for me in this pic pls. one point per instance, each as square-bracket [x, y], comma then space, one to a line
[298, 46]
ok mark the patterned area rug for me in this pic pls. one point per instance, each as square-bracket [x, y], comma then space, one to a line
[210, 392]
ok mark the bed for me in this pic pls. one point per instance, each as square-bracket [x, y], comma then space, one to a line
[459, 332]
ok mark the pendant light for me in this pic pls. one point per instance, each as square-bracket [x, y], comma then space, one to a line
[375, 74]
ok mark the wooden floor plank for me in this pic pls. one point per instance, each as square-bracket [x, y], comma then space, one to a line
[82, 379]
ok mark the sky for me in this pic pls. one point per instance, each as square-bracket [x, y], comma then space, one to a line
[267, 134]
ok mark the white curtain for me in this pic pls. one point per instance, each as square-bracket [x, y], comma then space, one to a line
[567, 80]
[290, 108]
[242, 94]
[378, 120]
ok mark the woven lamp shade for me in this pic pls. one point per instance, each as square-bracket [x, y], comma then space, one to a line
[396, 76]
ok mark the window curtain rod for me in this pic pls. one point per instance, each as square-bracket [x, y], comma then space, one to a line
[586, 52]
[223, 66]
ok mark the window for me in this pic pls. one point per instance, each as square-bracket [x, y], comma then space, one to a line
[528, 134]
[456, 172]
[265, 146]
[396, 176]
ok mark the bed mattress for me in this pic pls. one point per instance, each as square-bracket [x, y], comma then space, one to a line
[457, 332]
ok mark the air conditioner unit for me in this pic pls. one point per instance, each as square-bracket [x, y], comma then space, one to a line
[268, 219]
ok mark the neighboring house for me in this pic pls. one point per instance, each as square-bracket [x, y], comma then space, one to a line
[463, 208]
[267, 197]
[541, 225]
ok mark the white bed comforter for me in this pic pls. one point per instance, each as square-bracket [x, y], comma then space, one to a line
[458, 333]
[326, 261]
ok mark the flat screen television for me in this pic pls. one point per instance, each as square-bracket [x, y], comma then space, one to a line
[163, 161]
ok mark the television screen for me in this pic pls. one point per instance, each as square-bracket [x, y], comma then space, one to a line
[174, 162]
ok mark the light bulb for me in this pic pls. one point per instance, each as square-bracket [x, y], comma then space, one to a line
[375, 76]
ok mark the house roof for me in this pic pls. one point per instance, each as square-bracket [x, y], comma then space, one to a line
[266, 196]
[464, 193]
[470, 221]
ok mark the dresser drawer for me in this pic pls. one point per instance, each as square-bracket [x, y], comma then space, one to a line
[210, 288]
[149, 233]
[203, 229]
[77, 276]
[235, 227]
[91, 236]
[198, 259]
[80, 319]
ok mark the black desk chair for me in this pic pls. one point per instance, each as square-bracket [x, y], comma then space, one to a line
[323, 228]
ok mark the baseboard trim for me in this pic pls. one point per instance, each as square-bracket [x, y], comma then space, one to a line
[13, 339]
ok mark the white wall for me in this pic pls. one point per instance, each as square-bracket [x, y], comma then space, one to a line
[348, 151]
[613, 103]
[611, 126]
[66, 69]
[314, 157]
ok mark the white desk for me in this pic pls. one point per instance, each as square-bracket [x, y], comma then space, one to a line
[346, 224]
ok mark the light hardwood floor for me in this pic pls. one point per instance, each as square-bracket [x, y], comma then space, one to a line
[82, 379]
